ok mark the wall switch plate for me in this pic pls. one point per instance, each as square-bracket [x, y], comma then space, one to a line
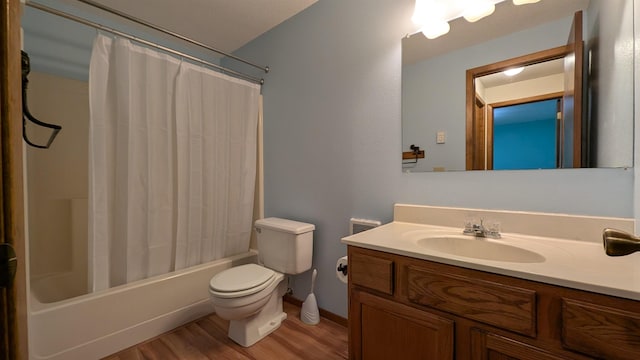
[440, 137]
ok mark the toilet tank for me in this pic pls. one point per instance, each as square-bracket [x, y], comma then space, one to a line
[285, 245]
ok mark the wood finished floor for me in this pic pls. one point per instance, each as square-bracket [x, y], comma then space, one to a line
[206, 338]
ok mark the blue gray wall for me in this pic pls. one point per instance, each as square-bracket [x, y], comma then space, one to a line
[333, 138]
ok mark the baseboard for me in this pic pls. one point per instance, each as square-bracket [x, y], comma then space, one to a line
[323, 313]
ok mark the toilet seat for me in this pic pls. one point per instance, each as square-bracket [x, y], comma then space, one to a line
[241, 281]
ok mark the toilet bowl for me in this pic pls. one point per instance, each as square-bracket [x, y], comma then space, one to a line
[242, 291]
[250, 296]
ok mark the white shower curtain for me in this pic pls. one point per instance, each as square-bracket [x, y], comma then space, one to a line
[172, 159]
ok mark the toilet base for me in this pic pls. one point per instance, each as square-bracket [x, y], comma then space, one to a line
[247, 332]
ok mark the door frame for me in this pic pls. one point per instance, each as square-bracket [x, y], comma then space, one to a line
[12, 226]
[471, 74]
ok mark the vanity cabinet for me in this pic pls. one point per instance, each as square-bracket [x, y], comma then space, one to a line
[406, 308]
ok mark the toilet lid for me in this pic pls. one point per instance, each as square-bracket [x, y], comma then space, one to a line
[241, 278]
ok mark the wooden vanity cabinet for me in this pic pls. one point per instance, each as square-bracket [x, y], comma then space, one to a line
[406, 308]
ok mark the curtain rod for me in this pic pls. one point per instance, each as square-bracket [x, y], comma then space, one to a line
[145, 42]
[169, 32]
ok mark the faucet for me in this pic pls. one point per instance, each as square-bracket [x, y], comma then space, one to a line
[619, 243]
[479, 230]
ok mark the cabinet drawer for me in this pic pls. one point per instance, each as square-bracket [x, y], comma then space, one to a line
[504, 306]
[371, 272]
[599, 330]
[492, 346]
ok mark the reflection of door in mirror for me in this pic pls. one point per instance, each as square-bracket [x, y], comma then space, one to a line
[526, 134]
[542, 75]
[572, 119]
[476, 138]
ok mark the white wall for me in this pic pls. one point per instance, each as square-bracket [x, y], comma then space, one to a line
[636, 129]
[333, 138]
[611, 22]
[525, 89]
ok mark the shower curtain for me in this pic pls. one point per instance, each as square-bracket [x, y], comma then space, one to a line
[172, 162]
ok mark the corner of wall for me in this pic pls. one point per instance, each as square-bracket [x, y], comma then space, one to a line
[636, 115]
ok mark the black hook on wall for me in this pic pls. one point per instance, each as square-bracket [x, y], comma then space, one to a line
[414, 154]
[26, 115]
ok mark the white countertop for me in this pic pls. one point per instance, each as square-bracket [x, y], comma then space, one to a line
[575, 264]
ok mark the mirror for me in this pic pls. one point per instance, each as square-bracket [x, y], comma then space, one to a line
[435, 76]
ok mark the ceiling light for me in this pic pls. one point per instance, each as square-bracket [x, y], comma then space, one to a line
[433, 16]
[478, 9]
[430, 15]
[513, 71]
[435, 28]
[427, 10]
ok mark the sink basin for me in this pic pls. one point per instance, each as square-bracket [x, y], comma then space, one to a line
[480, 248]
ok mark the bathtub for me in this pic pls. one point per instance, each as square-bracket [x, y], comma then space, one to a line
[95, 325]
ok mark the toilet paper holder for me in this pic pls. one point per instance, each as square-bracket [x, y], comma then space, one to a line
[343, 269]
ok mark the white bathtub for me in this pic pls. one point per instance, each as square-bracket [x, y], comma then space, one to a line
[96, 325]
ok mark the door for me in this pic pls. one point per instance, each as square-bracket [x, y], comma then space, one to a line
[525, 133]
[479, 135]
[573, 95]
[13, 312]
[385, 329]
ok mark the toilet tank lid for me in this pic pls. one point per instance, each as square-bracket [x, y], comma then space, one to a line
[284, 225]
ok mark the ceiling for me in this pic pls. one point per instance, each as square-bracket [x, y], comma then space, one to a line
[223, 24]
[534, 71]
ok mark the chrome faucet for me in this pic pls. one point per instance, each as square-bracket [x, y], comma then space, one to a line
[479, 230]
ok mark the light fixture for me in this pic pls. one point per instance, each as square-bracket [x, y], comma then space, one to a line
[435, 28]
[524, 2]
[426, 10]
[478, 9]
[433, 16]
[430, 15]
[513, 71]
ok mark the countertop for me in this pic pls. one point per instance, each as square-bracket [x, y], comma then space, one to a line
[574, 264]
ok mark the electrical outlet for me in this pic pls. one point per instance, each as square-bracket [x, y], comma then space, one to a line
[440, 137]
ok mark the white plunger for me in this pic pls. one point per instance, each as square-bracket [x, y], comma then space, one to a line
[309, 313]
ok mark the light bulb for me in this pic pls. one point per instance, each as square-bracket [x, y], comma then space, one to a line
[524, 2]
[478, 9]
[435, 28]
[419, 12]
[513, 71]
[427, 10]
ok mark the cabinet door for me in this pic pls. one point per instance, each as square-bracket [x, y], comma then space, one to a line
[383, 329]
[601, 331]
[488, 346]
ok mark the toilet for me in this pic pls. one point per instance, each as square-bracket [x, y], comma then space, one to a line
[250, 295]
